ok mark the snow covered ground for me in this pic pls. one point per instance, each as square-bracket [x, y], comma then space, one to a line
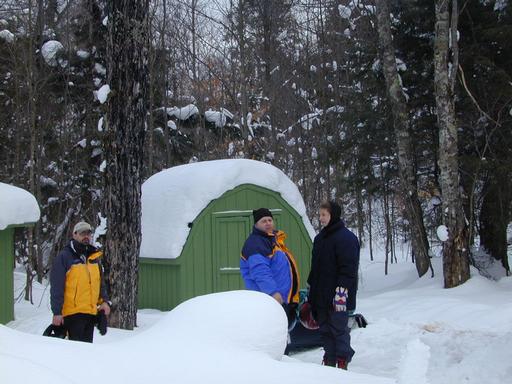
[418, 333]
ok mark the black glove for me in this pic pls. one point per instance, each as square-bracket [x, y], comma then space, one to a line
[58, 331]
[101, 322]
[360, 320]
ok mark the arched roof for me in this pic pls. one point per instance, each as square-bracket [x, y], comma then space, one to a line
[17, 206]
[176, 196]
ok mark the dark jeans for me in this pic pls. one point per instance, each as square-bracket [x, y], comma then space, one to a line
[335, 335]
[80, 327]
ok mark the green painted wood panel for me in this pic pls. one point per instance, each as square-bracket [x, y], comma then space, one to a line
[214, 243]
[6, 275]
[228, 233]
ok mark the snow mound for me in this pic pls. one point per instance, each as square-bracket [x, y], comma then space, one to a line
[50, 50]
[7, 36]
[245, 320]
[175, 197]
[17, 205]
[216, 339]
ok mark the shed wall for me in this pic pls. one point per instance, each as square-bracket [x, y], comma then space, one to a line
[6, 275]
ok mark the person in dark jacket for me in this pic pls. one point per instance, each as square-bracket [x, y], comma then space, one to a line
[333, 284]
[77, 290]
[268, 266]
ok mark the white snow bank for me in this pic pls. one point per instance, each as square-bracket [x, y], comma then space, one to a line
[49, 50]
[175, 197]
[17, 206]
[216, 339]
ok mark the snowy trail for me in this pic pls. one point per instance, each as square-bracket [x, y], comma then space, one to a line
[422, 333]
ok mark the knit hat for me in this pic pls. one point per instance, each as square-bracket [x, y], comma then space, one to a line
[82, 226]
[260, 213]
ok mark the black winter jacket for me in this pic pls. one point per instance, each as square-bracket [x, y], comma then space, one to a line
[335, 263]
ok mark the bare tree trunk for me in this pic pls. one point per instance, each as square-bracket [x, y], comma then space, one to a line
[151, 106]
[455, 248]
[243, 69]
[370, 235]
[165, 85]
[127, 68]
[408, 180]
[385, 210]
[495, 216]
[360, 215]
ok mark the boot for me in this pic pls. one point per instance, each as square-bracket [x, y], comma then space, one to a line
[342, 363]
[328, 362]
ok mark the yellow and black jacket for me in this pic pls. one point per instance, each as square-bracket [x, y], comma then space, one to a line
[76, 280]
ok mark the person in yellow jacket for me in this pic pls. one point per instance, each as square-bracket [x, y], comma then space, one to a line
[77, 290]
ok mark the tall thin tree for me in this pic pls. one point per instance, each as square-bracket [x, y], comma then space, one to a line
[455, 248]
[127, 112]
[408, 179]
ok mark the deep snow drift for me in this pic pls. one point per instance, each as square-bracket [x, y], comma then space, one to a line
[418, 333]
[226, 337]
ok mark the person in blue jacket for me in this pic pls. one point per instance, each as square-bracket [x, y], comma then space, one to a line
[268, 266]
[333, 284]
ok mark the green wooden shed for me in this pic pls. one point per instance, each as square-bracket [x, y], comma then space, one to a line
[18, 208]
[195, 219]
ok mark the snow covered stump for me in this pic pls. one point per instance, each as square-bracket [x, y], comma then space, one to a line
[18, 208]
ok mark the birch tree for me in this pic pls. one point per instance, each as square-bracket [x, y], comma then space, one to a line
[414, 213]
[455, 248]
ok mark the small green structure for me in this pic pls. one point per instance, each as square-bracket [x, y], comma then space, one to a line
[18, 208]
[212, 235]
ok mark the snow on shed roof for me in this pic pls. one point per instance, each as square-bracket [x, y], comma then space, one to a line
[17, 206]
[175, 197]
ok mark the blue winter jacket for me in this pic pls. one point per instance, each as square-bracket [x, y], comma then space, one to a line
[266, 267]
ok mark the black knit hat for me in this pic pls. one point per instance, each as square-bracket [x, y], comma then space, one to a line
[259, 213]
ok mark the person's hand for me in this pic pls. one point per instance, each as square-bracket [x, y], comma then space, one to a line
[340, 299]
[105, 308]
[58, 320]
[278, 297]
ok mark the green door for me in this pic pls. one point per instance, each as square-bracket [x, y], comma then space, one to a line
[229, 234]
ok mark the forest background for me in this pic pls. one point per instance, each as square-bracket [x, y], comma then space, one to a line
[300, 84]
